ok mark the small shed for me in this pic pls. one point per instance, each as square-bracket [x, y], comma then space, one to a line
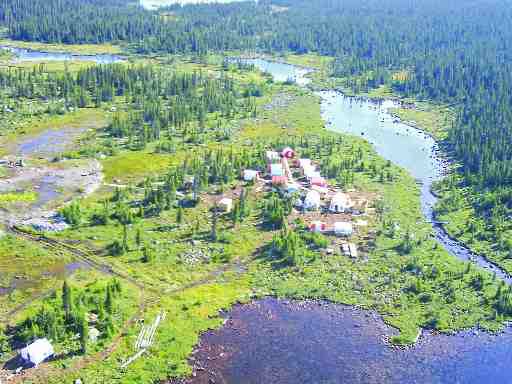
[94, 334]
[276, 169]
[340, 202]
[317, 226]
[304, 163]
[318, 181]
[37, 352]
[272, 156]
[312, 200]
[279, 180]
[288, 153]
[225, 204]
[343, 228]
[250, 175]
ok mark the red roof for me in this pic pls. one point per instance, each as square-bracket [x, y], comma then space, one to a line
[320, 181]
[277, 180]
[288, 152]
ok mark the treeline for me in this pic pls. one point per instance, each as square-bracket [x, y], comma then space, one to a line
[452, 52]
[76, 21]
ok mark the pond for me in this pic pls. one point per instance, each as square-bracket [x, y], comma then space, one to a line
[154, 4]
[23, 54]
[274, 341]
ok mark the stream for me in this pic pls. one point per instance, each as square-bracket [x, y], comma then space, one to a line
[288, 342]
[406, 146]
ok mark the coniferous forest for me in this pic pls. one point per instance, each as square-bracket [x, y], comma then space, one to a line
[189, 177]
[453, 52]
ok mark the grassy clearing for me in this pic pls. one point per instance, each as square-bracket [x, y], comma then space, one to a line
[433, 119]
[311, 60]
[29, 268]
[23, 197]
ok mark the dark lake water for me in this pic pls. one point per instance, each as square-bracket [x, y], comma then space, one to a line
[272, 341]
[289, 342]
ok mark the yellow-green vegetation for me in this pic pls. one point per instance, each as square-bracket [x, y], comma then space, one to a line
[431, 118]
[310, 60]
[9, 198]
[159, 226]
[26, 270]
[127, 167]
[79, 49]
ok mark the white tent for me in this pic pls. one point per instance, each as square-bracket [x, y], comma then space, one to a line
[225, 204]
[304, 163]
[37, 352]
[340, 202]
[271, 156]
[312, 200]
[250, 175]
[343, 228]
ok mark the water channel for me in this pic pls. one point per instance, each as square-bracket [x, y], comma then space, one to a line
[273, 341]
[400, 143]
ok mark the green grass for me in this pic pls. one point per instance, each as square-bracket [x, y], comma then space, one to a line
[30, 268]
[131, 166]
[431, 118]
[25, 197]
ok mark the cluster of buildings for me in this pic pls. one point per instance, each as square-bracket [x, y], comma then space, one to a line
[301, 180]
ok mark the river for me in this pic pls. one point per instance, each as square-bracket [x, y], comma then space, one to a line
[406, 146]
[288, 342]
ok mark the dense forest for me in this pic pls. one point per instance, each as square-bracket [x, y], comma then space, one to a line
[451, 52]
